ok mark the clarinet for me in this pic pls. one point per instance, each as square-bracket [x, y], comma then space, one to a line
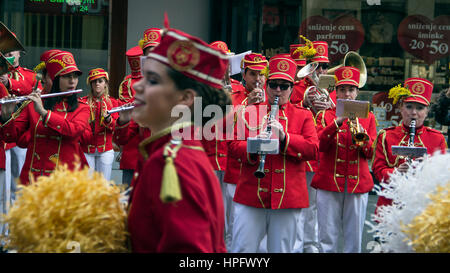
[259, 173]
[412, 135]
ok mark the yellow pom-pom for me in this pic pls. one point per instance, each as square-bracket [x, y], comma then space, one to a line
[66, 209]
[398, 92]
[39, 67]
[429, 231]
[141, 43]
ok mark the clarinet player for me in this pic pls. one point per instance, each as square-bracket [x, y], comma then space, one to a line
[273, 205]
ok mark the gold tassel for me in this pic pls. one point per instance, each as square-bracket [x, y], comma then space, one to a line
[170, 185]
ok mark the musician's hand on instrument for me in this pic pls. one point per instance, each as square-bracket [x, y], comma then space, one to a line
[125, 116]
[256, 96]
[5, 80]
[38, 105]
[321, 105]
[8, 108]
[278, 129]
[403, 168]
[340, 120]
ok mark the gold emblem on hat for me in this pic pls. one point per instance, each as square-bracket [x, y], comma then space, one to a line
[135, 64]
[68, 59]
[418, 88]
[347, 73]
[152, 36]
[257, 59]
[320, 50]
[283, 66]
[183, 55]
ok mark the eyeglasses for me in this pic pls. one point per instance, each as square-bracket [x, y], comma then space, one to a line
[283, 86]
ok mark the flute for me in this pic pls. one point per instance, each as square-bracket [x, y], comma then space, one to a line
[24, 98]
[120, 109]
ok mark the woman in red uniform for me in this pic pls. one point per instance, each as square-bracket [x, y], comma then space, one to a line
[176, 203]
[97, 142]
[343, 179]
[55, 125]
[414, 105]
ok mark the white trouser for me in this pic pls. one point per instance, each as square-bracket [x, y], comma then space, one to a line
[228, 195]
[16, 164]
[5, 189]
[309, 232]
[251, 224]
[338, 211]
[101, 162]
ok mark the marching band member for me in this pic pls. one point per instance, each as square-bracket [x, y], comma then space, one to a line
[5, 188]
[129, 153]
[343, 179]
[176, 203]
[252, 93]
[97, 142]
[152, 38]
[19, 81]
[414, 101]
[55, 125]
[273, 205]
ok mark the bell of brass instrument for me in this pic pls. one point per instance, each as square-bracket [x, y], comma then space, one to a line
[120, 109]
[259, 173]
[353, 59]
[320, 94]
[359, 135]
[8, 43]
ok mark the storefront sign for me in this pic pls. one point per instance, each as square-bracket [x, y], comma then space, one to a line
[58, 7]
[343, 34]
[424, 38]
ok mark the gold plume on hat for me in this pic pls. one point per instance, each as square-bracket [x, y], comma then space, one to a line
[308, 51]
[398, 92]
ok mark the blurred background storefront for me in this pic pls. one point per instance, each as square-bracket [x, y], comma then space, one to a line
[397, 39]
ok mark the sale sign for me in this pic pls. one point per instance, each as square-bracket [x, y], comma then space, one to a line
[424, 38]
[343, 34]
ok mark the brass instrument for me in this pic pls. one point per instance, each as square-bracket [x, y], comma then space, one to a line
[120, 109]
[24, 98]
[353, 59]
[320, 94]
[8, 43]
[359, 135]
[259, 173]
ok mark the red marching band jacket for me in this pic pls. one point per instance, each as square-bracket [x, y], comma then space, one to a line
[284, 185]
[238, 98]
[53, 140]
[384, 162]
[130, 153]
[193, 224]
[100, 134]
[340, 158]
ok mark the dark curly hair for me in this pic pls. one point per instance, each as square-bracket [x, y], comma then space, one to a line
[209, 95]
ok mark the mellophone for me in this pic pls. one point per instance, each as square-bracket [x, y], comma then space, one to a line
[120, 109]
[43, 96]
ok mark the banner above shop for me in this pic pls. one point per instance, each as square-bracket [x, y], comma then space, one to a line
[424, 38]
[343, 34]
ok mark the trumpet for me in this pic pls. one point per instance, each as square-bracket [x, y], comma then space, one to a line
[359, 135]
[320, 94]
[24, 98]
[120, 109]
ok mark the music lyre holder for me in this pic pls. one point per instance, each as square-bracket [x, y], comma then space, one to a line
[352, 108]
[412, 152]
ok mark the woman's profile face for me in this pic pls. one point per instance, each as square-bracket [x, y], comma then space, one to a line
[413, 110]
[156, 96]
[68, 82]
[98, 87]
